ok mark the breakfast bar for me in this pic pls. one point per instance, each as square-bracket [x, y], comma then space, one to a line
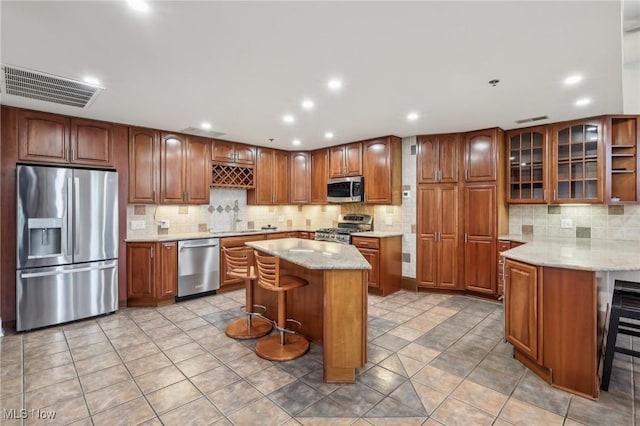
[332, 309]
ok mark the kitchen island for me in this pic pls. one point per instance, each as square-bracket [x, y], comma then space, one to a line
[557, 297]
[332, 309]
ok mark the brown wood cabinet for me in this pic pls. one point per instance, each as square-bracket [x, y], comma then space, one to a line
[577, 166]
[480, 238]
[232, 153]
[527, 165]
[521, 313]
[271, 178]
[438, 252]
[152, 276]
[438, 158]
[385, 257]
[622, 159]
[184, 169]
[300, 190]
[228, 283]
[481, 155]
[144, 165]
[319, 175]
[345, 160]
[52, 138]
[382, 170]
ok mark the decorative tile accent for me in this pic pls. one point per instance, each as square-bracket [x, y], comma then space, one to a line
[406, 187]
[615, 210]
[162, 231]
[251, 225]
[183, 209]
[406, 257]
[323, 208]
[554, 210]
[414, 149]
[271, 209]
[227, 208]
[527, 229]
[202, 227]
[211, 209]
[300, 209]
[289, 223]
[219, 209]
[307, 222]
[583, 232]
[413, 228]
[140, 210]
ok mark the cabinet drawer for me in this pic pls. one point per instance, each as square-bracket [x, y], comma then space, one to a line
[364, 242]
[239, 241]
[503, 245]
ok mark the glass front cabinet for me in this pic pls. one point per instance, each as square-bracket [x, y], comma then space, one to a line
[527, 165]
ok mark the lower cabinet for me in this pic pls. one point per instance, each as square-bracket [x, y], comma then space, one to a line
[152, 273]
[551, 319]
[385, 257]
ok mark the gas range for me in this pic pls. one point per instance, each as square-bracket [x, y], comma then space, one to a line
[350, 223]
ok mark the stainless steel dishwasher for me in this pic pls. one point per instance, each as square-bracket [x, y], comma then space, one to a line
[198, 266]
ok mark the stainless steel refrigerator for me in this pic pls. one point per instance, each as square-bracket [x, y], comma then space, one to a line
[67, 245]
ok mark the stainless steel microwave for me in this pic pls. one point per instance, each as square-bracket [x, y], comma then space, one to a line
[346, 190]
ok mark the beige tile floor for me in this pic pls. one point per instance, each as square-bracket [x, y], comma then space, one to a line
[433, 360]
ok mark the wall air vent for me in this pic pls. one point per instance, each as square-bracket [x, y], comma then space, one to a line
[532, 119]
[46, 87]
[196, 131]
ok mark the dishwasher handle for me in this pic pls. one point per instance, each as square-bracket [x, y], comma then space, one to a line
[198, 246]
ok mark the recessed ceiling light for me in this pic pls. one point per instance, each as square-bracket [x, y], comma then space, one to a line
[328, 135]
[572, 79]
[583, 102]
[335, 84]
[92, 81]
[288, 118]
[412, 116]
[296, 141]
[307, 104]
[205, 125]
[139, 5]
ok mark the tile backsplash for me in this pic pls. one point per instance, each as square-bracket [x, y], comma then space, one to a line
[617, 222]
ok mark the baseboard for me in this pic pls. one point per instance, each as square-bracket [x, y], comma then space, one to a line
[1, 330]
[409, 283]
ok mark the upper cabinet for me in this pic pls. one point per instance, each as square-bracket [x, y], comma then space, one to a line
[481, 155]
[144, 165]
[184, 169]
[300, 180]
[623, 161]
[345, 160]
[52, 138]
[232, 153]
[319, 176]
[527, 165]
[577, 166]
[437, 158]
[382, 170]
[271, 178]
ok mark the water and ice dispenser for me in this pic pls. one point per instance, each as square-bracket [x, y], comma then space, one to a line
[45, 237]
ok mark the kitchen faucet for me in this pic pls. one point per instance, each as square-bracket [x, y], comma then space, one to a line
[234, 223]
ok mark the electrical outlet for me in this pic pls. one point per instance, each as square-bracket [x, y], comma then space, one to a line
[566, 223]
[137, 224]
[280, 219]
[164, 224]
[406, 194]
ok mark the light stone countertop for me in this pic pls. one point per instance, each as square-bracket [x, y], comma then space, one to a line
[576, 253]
[313, 254]
[377, 234]
[198, 235]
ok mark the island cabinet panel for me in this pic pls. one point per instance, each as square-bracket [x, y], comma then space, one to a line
[481, 155]
[346, 160]
[480, 239]
[382, 170]
[152, 276]
[52, 138]
[144, 165]
[438, 158]
[300, 181]
[319, 176]
[385, 257]
[272, 183]
[521, 313]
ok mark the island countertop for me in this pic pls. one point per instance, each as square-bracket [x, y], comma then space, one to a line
[577, 253]
[313, 254]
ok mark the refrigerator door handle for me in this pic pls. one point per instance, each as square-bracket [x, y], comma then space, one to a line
[67, 271]
[70, 217]
[76, 208]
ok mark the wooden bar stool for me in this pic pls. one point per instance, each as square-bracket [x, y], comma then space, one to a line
[625, 307]
[240, 265]
[286, 345]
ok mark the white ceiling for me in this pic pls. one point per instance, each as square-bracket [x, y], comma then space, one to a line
[243, 65]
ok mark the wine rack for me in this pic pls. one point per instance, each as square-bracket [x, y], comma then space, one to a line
[232, 176]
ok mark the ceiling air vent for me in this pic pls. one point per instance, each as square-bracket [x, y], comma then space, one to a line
[532, 119]
[47, 87]
[196, 131]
